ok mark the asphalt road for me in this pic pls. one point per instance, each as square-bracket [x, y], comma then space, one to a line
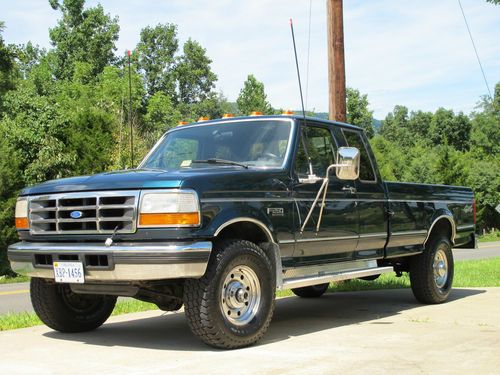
[371, 332]
[15, 297]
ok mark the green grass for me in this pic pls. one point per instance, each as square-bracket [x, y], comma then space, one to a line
[15, 279]
[490, 237]
[468, 274]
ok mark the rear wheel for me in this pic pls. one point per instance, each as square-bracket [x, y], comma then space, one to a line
[231, 306]
[64, 311]
[312, 291]
[431, 273]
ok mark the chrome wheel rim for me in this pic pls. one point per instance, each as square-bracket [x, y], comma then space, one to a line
[240, 295]
[440, 267]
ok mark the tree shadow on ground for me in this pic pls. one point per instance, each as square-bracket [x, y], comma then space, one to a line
[293, 317]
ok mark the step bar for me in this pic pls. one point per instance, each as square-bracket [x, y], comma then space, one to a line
[327, 277]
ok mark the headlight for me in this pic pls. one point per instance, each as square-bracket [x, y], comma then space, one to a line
[169, 209]
[22, 214]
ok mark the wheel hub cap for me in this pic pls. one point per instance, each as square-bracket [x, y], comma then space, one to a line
[240, 295]
[440, 268]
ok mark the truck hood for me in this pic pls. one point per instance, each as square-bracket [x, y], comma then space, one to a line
[140, 179]
[117, 180]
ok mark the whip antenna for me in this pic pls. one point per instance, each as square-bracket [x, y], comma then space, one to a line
[302, 134]
[298, 71]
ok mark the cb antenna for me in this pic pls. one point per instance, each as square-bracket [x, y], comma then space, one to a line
[304, 144]
[298, 71]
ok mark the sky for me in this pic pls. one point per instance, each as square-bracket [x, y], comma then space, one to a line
[415, 53]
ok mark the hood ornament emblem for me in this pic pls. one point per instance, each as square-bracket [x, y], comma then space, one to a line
[76, 214]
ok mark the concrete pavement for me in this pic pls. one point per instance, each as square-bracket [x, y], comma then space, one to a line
[15, 297]
[375, 332]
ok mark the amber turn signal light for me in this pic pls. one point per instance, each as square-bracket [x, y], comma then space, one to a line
[22, 223]
[179, 219]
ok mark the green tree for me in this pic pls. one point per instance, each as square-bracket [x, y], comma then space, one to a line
[6, 66]
[85, 35]
[485, 134]
[161, 115]
[358, 112]
[448, 128]
[393, 123]
[27, 57]
[33, 127]
[252, 97]
[155, 55]
[195, 78]
[418, 124]
[484, 179]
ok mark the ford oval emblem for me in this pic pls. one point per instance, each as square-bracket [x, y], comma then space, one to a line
[76, 214]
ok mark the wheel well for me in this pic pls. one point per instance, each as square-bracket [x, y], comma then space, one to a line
[441, 226]
[244, 230]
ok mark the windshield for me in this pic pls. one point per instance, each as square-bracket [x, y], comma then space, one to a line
[252, 143]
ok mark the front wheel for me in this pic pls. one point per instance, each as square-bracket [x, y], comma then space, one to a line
[431, 273]
[231, 306]
[61, 309]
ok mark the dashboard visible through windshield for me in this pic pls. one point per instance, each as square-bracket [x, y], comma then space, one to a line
[256, 143]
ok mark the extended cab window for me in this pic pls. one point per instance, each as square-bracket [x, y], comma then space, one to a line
[354, 139]
[321, 150]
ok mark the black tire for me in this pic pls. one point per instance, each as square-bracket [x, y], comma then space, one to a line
[205, 298]
[312, 291]
[64, 311]
[430, 282]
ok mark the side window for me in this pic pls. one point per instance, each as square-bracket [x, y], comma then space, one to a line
[321, 150]
[354, 139]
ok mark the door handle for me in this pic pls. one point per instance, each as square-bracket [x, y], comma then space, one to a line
[350, 189]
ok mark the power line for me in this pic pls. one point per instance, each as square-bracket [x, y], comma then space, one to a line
[475, 49]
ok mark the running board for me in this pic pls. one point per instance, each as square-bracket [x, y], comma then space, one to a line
[326, 277]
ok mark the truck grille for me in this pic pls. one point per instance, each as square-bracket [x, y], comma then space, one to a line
[78, 213]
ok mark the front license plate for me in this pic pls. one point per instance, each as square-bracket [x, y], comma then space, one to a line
[69, 272]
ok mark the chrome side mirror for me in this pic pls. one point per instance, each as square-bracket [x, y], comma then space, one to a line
[347, 167]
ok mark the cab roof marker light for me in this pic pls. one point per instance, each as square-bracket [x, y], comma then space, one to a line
[227, 115]
[256, 113]
[180, 123]
[288, 112]
[201, 119]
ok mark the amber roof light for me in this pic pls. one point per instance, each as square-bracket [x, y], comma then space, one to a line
[256, 113]
[180, 123]
[288, 112]
[227, 115]
[201, 119]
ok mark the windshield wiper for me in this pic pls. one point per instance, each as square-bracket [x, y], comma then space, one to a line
[220, 161]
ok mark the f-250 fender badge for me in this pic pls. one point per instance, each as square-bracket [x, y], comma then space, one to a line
[275, 211]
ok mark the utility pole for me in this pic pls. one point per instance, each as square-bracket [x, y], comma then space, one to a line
[336, 61]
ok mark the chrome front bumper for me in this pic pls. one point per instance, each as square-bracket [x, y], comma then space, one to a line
[125, 261]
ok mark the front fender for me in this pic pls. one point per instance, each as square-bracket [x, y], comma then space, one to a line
[215, 218]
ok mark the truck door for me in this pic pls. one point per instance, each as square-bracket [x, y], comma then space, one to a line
[371, 199]
[338, 234]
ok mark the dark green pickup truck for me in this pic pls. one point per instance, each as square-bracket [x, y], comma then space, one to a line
[222, 213]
